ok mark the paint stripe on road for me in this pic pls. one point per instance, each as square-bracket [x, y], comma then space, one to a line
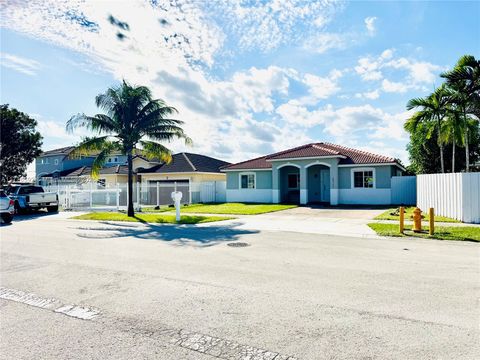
[224, 349]
[206, 344]
[76, 311]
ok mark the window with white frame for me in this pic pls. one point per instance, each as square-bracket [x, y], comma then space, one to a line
[363, 178]
[293, 181]
[55, 161]
[247, 181]
[46, 161]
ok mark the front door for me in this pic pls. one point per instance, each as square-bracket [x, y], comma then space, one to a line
[325, 185]
[314, 185]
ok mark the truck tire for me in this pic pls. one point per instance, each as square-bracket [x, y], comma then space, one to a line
[7, 218]
[51, 209]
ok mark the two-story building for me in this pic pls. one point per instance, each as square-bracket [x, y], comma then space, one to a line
[55, 167]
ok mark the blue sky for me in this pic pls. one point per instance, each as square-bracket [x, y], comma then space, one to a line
[248, 77]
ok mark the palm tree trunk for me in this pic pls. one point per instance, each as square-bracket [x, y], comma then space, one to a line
[467, 151]
[130, 211]
[453, 154]
[440, 144]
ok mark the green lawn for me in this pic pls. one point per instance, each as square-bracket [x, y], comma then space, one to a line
[392, 214]
[459, 233]
[150, 218]
[228, 208]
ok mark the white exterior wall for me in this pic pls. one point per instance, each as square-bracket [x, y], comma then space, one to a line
[249, 195]
[453, 195]
[361, 196]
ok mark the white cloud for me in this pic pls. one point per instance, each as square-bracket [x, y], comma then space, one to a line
[395, 87]
[266, 25]
[323, 42]
[392, 127]
[21, 64]
[350, 125]
[321, 87]
[368, 69]
[418, 73]
[371, 95]
[370, 24]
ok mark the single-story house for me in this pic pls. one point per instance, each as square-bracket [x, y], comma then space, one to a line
[187, 171]
[314, 173]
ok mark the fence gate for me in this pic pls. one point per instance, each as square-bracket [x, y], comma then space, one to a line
[404, 190]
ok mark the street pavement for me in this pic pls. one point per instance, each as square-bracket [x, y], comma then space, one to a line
[102, 290]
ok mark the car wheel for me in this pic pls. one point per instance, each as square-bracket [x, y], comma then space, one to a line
[52, 209]
[7, 218]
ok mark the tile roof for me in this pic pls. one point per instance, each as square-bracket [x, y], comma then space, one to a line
[61, 151]
[188, 162]
[87, 171]
[347, 156]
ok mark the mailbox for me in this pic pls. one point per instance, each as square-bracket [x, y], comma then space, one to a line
[177, 197]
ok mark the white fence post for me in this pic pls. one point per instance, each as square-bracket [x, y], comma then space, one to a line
[117, 196]
[91, 195]
[138, 194]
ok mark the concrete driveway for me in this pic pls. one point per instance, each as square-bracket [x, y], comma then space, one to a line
[348, 221]
[344, 212]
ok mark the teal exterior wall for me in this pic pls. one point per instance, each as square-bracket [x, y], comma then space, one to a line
[263, 179]
[383, 175]
[232, 180]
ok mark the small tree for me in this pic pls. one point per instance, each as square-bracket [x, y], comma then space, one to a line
[20, 143]
[132, 118]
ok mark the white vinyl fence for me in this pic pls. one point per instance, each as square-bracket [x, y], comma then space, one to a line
[453, 195]
[404, 190]
[92, 195]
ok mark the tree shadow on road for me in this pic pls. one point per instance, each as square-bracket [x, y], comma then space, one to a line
[178, 235]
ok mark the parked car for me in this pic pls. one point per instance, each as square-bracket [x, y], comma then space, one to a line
[32, 197]
[7, 208]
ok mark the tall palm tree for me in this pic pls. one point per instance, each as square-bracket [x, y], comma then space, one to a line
[432, 111]
[453, 132]
[464, 79]
[131, 118]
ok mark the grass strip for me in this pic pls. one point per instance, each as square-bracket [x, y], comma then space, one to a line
[228, 208]
[150, 218]
[457, 233]
[392, 214]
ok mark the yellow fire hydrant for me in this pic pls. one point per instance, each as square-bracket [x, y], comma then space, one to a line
[417, 220]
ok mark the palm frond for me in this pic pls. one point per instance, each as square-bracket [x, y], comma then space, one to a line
[153, 150]
[89, 146]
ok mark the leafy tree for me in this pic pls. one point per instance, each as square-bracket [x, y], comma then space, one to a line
[464, 80]
[424, 153]
[131, 118]
[433, 110]
[20, 143]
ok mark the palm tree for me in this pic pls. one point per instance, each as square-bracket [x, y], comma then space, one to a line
[432, 111]
[453, 132]
[131, 118]
[464, 79]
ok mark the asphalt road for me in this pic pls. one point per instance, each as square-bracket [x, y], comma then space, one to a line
[86, 290]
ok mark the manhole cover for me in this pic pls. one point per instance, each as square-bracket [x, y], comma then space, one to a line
[238, 244]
